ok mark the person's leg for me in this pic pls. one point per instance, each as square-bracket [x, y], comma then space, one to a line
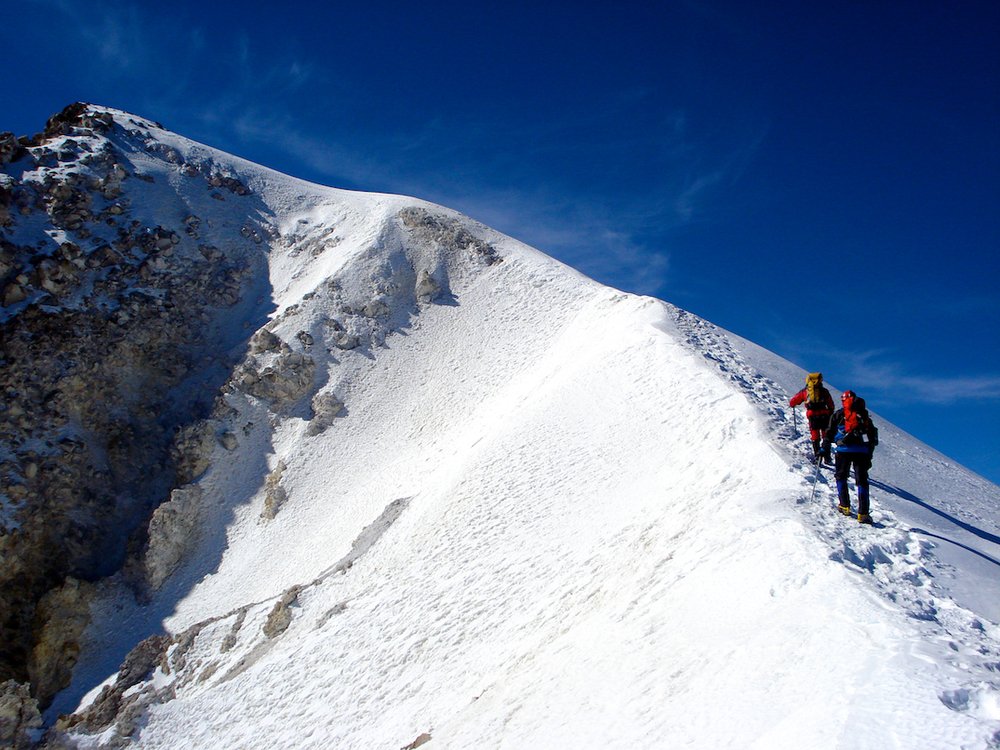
[814, 435]
[841, 471]
[861, 464]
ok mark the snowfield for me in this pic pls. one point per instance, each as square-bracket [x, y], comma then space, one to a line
[550, 515]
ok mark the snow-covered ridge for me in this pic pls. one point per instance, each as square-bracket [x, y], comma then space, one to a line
[455, 494]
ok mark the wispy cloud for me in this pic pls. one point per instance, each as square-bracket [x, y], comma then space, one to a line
[880, 373]
[111, 40]
[895, 383]
[116, 34]
[606, 205]
[166, 57]
[583, 233]
[685, 205]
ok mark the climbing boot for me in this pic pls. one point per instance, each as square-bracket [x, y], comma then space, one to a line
[845, 509]
[865, 518]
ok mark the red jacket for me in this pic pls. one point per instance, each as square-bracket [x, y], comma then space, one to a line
[816, 412]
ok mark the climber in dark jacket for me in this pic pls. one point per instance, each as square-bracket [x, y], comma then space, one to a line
[855, 436]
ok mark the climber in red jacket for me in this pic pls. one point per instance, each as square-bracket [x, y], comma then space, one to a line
[819, 407]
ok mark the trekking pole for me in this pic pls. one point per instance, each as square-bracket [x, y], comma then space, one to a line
[815, 482]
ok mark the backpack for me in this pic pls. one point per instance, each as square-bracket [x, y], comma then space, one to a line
[862, 424]
[814, 387]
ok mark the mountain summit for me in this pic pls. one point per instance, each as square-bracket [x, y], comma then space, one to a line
[291, 466]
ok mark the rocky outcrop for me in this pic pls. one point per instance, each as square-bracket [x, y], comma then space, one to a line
[274, 494]
[280, 616]
[60, 618]
[421, 740]
[264, 341]
[172, 533]
[280, 380]
[447, 233]
[11, 149]
[340, 337]
[104, 317]
[192, 450]
[76, 115]
[427, 288]
[326, 408]
[19, 716]
[114, 284]
[118, 704]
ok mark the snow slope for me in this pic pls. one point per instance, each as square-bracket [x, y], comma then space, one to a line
[550, 515]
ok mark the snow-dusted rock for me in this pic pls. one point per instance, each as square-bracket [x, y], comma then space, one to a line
[280, 380]
[172, 534]
[10, 148]
[280, 616]
[340, 337]
[376, 308]
[265, 341]
[326, 408]
[427, 287]
[19, 716]
[448, 233]
[120, 704]
[274, 494]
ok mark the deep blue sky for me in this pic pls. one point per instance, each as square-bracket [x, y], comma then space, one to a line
[821, 178]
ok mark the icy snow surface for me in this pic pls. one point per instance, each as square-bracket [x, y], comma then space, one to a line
[554, 515]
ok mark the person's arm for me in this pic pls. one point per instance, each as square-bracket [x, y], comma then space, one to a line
[831, 429]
